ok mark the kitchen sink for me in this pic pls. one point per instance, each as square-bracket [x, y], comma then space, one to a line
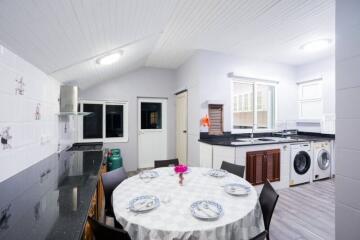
[256, 140]
[265, 139]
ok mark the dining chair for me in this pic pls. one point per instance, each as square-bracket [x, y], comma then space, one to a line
[238, 170]
[166, 163]
[268, 199]
[261, 236]
[104, 232]
[110, 181]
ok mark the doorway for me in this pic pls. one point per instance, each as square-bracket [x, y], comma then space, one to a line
[152, 131]
[181, 126]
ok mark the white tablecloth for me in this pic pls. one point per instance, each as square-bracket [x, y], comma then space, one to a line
[242, 217]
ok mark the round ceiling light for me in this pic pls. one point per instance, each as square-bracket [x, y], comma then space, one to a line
[109, 59]
[316, 45]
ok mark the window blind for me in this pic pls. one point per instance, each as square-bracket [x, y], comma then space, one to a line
[216, 119]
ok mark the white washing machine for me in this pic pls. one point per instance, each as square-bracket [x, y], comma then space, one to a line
[300, 164]
[322, 160]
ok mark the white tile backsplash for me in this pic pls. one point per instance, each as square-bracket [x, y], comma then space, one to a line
[32, 140]
[349, 220]
[349, 72]
[347, 163]
[347, 97]
[349, 133]
[347, 196]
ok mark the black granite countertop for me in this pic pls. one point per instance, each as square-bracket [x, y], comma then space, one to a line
[51, 199]
[229, 139]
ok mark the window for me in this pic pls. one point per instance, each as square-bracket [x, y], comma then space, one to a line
[93, 123]
[151, 115]
[310, 100]
[114, 121]
[106, 123]
[257, 106]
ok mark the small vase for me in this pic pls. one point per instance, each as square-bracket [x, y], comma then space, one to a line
[181, 179]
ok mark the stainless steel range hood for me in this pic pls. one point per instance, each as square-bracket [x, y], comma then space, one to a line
[69, 101]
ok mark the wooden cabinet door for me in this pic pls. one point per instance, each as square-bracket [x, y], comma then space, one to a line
[273, 165]
[262, 165]
[255, 167]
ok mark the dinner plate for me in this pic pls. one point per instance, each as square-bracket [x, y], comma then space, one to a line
[144, 203]
[237, 189]
[217, 173]
[206, 210]
[148, 174]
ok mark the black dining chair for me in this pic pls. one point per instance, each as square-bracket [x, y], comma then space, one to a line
[238, 170]
[261, 236]
[104, 232]
[268, 199]
[110, 181]
[166, 163]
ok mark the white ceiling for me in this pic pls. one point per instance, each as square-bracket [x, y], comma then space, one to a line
[64, 37]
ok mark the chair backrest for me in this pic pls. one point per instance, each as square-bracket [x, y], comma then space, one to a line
[268, 199]
[105, 232]
[166, 163]
[110, 181]
[233, 168]
[260, 236]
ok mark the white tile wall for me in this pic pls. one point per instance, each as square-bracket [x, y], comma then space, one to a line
[347, 187]
[32, 140]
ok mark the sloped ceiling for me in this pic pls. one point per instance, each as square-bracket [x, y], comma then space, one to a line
[64, 37]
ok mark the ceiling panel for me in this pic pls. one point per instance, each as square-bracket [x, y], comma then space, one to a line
[59, 34]
[63, 37]
[270, 30]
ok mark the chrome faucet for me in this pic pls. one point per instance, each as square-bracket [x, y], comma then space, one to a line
[252, 132]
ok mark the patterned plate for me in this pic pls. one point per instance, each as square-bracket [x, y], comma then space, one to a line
[148, 174]
[144, 203]
[206, 210]
[237, 189]
[217, 173]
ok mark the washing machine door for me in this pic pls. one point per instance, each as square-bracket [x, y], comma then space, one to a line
[302, 162]
[323, 159]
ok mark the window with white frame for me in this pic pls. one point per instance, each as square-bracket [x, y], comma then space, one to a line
[108, 121]
[254, 105]
[310, 99]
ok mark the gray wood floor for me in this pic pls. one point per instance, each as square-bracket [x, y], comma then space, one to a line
[305, 212]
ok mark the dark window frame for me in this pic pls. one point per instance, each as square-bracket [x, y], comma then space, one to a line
[104, 137]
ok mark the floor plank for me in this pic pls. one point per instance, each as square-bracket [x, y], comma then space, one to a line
[305, 212]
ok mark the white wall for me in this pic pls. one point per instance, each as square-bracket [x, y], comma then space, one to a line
[216, 85]
[324, 69]
[347, 194]
[32, 140]
[205, 77]
[188, 78]
[145, 82]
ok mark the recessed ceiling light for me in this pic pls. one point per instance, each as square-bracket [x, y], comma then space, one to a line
[316, 45]
[109, 59]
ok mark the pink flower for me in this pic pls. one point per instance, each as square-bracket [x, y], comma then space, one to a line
[181, 168]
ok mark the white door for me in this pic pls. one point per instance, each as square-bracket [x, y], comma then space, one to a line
[152, 131]
[181, 127]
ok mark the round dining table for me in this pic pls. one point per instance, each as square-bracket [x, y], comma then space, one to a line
[172, 220]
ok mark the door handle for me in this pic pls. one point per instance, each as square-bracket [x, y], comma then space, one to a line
[184, 131]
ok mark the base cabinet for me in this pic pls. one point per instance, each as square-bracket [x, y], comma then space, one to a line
[262, 165]
[96, 207]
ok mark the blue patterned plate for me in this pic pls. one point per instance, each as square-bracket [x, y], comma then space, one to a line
[206, 210]
[217, 173]
[237, 189]
[144, 203]
[148, 174]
